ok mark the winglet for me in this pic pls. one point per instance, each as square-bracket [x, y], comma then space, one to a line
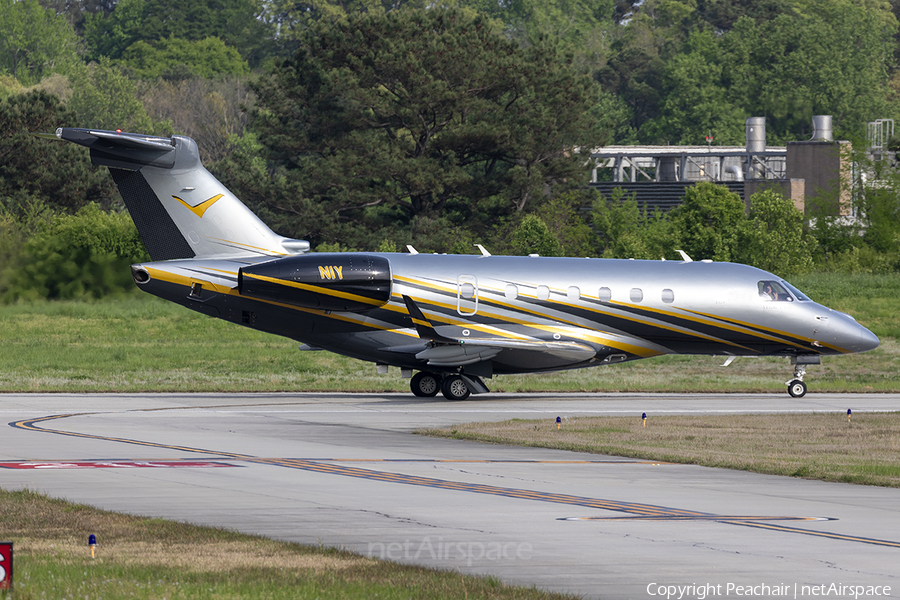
[423, 326]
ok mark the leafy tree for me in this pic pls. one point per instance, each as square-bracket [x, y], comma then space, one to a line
[35, 170]
[532, 236]
[707, 223]
[104, 97]
[623, 230]
[562, 218]
[774, 236]
[580, 28]
[208, 110]
[236, 22]
[209, 58]
[34, 41]
[291, 19]
[695, 102]
[407, 114]
[828, 57]
[74, 256]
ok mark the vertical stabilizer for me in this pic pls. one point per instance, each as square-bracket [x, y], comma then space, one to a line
[179, 208]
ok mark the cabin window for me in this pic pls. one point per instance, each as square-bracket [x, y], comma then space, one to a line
[773, 291]
[467, 291]
[573, 294]
[668, 296]
[512, 291]
[605, 294]
[636, 295]
[543, 292]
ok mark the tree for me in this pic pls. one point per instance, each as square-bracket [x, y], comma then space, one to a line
[623, 230]
[235, 22]
[577, 27]
[694, 100]
[707, 223]
[105, 98]
[207, 110]
[404, 114]
[774, 236]
[34, 41]
[532, 236]
[46, 172]
[181, 59]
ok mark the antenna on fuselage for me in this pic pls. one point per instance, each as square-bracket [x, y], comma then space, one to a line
[684, 256]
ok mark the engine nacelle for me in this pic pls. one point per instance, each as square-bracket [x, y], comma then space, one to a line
[340, 282]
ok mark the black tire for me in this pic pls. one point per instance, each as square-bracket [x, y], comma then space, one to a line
[455, 388]
[425, 385]
[797, 389]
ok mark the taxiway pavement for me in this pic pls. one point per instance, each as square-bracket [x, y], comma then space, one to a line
[344, 470]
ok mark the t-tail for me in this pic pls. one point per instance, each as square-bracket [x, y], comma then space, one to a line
[179, 208]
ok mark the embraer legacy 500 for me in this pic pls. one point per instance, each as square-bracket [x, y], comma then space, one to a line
[456, 319]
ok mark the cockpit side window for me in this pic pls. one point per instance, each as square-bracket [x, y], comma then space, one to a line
[774, 291]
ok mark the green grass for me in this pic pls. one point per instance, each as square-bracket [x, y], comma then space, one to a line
[828, 447]
[141, 344]
[150, 559]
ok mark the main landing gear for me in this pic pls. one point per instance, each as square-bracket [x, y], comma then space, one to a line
[452, 386]
[796, 388]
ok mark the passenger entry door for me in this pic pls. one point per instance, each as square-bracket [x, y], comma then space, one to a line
[467, 295]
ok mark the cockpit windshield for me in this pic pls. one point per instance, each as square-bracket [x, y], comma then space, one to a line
[797, 293]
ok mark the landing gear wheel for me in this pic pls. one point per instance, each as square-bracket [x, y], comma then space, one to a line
[454, 388]
[796, 388]
[425, 385]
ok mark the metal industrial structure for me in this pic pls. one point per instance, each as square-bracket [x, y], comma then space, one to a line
[658, 175]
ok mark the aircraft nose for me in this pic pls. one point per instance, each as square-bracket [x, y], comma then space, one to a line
[868, 340]
[846, 334]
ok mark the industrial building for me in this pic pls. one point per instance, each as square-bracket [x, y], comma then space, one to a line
[813, 173]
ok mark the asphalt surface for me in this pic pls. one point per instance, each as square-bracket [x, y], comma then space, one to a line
[344, 470]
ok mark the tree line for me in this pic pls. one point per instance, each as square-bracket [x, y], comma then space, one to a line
[369, 124]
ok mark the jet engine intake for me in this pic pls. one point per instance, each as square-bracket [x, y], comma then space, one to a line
[339, 282]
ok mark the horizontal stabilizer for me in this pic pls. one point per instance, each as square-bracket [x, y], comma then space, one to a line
[122, 150]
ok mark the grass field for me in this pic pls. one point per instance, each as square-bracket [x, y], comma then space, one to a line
[145, 344]
[864, 449]
[151, 559]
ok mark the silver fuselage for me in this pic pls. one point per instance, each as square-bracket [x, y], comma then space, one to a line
[619, 309]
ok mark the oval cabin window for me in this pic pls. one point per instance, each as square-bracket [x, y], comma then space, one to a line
[605, 294]
[636, 295]
[668, 296]
[543, 292]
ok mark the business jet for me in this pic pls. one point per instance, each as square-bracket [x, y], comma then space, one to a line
[454, 320]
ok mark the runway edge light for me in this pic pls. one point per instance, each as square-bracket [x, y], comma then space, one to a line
[6, 565]
[849, 414]
[92, 542]
[643, 419]
[558, 422]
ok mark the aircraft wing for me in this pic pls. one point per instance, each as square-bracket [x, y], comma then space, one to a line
[454, 352]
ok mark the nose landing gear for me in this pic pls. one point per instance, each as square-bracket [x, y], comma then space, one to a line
[796, 387]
